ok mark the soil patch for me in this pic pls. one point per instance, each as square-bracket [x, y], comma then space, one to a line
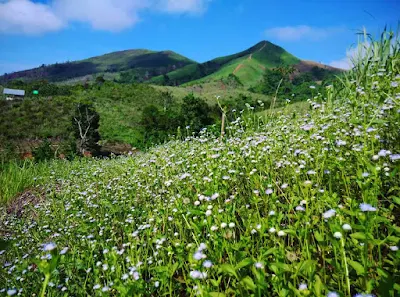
[25, 201]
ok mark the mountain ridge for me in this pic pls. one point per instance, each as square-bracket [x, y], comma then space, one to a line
[168, 67]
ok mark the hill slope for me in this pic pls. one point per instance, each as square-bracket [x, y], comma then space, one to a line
[264, 54]
[143, 64]
[249, 66]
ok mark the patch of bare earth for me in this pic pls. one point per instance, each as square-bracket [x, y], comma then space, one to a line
[25, 202]
[238, 68]
[306, 66]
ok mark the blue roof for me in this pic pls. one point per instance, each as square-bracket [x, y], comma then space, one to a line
[14, 92]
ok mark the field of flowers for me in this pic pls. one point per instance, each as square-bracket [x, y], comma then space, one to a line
[295, 205]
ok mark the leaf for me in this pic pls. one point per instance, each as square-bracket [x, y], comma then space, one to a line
[318, 236]
[318, 286]
[215, 282]
[396, 200]
[229, 269]
[397, 287]
[274, 268]
[283, 292]
[216, 294]
[306, 265]
[392, 238]
[289, 231]
[248, 283]
[173, 268]
[269, 252]
[244, 263]
[386, 284]
[396, 228]
[357, 267]
[358, 235]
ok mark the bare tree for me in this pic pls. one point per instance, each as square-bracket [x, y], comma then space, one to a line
[86, 123]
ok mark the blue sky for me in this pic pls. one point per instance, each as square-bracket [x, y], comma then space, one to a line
[34, 32]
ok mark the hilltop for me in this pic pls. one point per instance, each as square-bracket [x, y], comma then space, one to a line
[142, 63]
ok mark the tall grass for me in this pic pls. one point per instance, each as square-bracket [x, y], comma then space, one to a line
[15, 177]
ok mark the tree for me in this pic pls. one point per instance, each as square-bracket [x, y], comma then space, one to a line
[274, 78]
[166, 80]
[86, 124]
[150, 118]
[100, 79]
[195, 113]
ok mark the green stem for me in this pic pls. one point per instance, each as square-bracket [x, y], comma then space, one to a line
[345, 266]
[45, 283]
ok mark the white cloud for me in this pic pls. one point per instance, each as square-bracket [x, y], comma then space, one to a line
[302, 32]
[24, 16]
[343, 63]
[110, 15]
[352, 54]
[28, 17]
[180, 6]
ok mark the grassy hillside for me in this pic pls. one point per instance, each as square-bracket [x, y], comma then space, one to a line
[295, 205]
[143, 64]
[266, 54]
[249, 66]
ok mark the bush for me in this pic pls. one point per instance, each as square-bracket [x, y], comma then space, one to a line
[44, 152]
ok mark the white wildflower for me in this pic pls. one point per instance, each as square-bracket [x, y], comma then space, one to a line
[49, 246]
[367, 207]
[281, 233]
[11, 292]
[207, 264]
[337, 235]
[328, 214]
[302, 287]
[346, 227]
[64, 251]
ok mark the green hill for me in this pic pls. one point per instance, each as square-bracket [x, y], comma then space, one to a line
[249, 66]
[141, 64]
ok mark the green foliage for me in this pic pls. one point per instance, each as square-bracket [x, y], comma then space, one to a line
[44, 152]
[195, 113]
[297, 87]
[100, 79]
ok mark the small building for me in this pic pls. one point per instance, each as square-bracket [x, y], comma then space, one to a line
[11, 94]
